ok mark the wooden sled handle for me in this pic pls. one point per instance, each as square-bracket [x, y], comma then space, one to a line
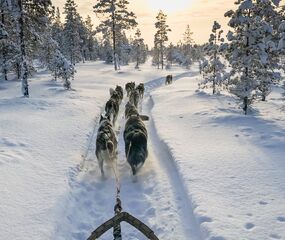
[123, 216]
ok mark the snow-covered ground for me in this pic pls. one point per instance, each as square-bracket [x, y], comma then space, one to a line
[212, 173]
[232, 166]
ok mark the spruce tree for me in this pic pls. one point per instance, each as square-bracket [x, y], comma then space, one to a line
[161, 35]
[139, 49]
[213, 66]
[115, 19]
[72, 41]
[250, 51]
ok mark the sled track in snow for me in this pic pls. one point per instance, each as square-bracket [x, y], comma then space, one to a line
[167, 163]
[157, 196]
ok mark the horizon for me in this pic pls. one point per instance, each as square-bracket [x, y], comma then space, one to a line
[199, 14]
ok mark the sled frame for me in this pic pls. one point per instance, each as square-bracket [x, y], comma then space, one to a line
[126, 217]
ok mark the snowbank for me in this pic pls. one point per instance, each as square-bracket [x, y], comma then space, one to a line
[232, 165]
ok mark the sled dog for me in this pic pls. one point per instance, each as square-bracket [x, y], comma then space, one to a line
[129, 87]
[130, 110]
[135, 137]
[134, 97]
[168, 79]
[112, 109]
[140, 88]
[106, 143]
[120, 91]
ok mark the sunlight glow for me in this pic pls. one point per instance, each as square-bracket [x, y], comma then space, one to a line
[169, 6]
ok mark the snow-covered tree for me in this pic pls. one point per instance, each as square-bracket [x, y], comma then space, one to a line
[72, 40]
[139, 50]
[91, 50]
[213, 66]
[250, 51]
[6, 44]
[62, 68]
[115, 19]
[161, 36]
[57, 29]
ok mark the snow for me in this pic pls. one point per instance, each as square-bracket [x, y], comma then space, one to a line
[232, 166]
[212, 173]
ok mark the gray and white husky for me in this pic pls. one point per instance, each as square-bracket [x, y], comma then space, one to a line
[106, 143]
[135, 136]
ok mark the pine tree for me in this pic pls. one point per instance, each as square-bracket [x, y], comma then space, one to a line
[139, 49]
[161, 35]
[5, 6]
[250, 51]
[91, 51]
[115, 18]
[72, 39]
[57, 29]
[213, 66]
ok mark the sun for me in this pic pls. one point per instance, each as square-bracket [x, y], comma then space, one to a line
[169, 6]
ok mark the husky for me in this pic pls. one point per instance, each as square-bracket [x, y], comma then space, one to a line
[168, 79]
[130, 110]
[116, 96]
[140, 88]
[120, 91]
[134, 97]
[129, 87]
[112, 109]
[106, 143]
[135, 137]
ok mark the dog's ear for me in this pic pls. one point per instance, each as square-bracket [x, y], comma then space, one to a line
[101, 118]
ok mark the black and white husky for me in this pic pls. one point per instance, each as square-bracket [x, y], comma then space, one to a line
[106, 143]
[112, 109]
[134, 97]
[135, 136]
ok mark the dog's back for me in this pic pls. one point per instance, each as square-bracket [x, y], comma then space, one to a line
[134, 97]
[168, 79]
[135, 136]
[106, 143]
[140, 88]
[120, 91]
[112, 109]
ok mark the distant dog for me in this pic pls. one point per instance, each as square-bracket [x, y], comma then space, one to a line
[106, 143]
[168, 80]
[112, 109]
[134, 97]
[130, 86]
[140, 88]
[135, 136]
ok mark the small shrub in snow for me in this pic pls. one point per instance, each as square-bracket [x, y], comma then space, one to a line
[62, 68]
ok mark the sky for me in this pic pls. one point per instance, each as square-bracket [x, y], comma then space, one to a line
[199, 14]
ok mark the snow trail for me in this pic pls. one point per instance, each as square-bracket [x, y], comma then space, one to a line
[157, 196]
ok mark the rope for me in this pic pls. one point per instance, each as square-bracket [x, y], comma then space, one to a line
[118, 206]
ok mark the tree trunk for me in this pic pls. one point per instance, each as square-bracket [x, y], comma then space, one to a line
[245, 102]
[24, 70]
[161, 52]
[4, 53]
[114, 36]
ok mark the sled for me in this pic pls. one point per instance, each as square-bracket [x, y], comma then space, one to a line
[116, 220]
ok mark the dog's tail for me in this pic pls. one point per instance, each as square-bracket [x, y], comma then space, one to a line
[111, 90]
